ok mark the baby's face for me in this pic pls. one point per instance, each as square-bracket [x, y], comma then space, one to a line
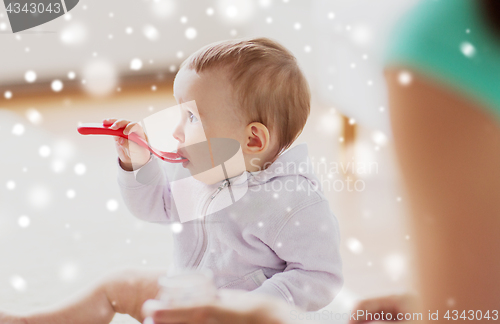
[214, 115]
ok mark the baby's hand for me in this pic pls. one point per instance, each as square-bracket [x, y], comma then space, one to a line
[132, 156]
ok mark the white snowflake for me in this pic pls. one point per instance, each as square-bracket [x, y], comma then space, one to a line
[18, 129]
[39, 196]
[405, 78]
[112, 205]
[191, 33]
[163, 8]
[24, 221]
[34, 116]
[57, 85]
[151, 32]
[264, 3]
[44, 151]
[57, 165]
[176, 228]
[395, 265]
[74, 34]
[68, 272]
[468, 49]
[379, 138]
[99, 77]
[136, 64]
[11, 185]
[18, 283]
[80, 169]
[30, 76]
[354, 245]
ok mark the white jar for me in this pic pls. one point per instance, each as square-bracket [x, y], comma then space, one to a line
[189, 288]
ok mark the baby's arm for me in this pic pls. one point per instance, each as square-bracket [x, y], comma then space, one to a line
[143, 184]
[309, 244]
[146, 192]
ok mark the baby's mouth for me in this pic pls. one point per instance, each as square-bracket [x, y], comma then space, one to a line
[181, 154]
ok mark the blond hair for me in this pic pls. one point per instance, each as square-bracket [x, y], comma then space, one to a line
[267, 81]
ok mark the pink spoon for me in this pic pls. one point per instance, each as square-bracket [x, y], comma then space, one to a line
[103, 129]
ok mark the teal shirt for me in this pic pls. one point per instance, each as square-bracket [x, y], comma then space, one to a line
[450, 41]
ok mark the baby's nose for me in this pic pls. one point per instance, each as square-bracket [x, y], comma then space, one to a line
[178, 133]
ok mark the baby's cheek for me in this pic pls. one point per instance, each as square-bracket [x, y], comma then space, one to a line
[196, 135]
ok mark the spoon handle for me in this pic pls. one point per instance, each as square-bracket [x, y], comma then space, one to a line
[100, 129]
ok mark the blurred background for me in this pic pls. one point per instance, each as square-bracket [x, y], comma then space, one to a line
[63, 223]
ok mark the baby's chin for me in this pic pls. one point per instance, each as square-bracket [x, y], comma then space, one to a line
[208, 177]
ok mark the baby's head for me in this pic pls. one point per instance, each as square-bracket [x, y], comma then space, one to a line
[249, 90]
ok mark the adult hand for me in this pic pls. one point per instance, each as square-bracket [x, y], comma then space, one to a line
[393, 305]
[231, 307]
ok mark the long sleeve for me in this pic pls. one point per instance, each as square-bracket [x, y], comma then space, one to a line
[146, 192]
[309, 244]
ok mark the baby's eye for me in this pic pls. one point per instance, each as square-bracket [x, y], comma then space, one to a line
[192, 117]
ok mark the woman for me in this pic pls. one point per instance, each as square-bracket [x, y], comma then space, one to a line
[446, 124]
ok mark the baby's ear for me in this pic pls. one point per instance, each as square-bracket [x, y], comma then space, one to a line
[257, 138]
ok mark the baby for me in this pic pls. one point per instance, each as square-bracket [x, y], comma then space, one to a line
[262, 225]
[280, 238]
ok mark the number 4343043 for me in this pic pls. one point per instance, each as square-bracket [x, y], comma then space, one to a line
[33, 8]
[471, 315]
